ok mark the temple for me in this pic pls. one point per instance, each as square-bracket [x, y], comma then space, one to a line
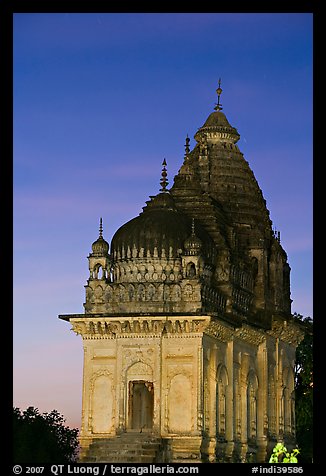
[189, 341]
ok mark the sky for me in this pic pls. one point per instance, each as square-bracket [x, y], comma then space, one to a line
[100, 99]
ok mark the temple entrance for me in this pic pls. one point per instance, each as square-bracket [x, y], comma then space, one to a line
[141, 405]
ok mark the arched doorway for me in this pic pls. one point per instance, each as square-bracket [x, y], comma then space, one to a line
[141, 405]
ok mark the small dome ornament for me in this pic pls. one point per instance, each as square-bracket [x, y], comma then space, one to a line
[100, 247]
[193, 244]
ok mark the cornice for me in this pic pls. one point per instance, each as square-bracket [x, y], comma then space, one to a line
[250, 335]
[286, 331]
[220, 330]
[155, 326]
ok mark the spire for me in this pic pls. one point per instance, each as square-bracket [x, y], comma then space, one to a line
[193, 244]
[164, 181]
[101, 228]
[100, 247]
[187, 148]
[219, 90]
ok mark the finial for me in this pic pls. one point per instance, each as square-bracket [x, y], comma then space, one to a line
[187, 148]
[101, 228]
[193, 226]
[164, 182]
[219, 90]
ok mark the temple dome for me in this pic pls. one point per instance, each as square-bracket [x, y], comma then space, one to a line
[217, 129]
[159, 231]
[100, 247]
[217, 119]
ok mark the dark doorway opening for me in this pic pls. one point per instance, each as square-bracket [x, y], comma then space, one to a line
[141, 405]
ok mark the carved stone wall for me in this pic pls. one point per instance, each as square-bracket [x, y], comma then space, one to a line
[162, 352]
[233, 388]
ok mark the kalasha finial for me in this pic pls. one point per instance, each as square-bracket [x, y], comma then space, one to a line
[219, 90]
[187, 148]
[101, 228]
[193, 226]
[164, 181]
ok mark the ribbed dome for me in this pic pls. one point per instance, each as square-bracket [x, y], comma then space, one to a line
[217, 128]
[100, 247]
[159, 231]
[217, 118]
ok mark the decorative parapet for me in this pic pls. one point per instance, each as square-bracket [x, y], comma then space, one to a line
[110, 328]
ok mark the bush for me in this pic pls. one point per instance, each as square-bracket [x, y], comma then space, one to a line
[281, 455]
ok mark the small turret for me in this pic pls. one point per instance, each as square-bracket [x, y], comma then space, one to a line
[99, 258]
[193, 244]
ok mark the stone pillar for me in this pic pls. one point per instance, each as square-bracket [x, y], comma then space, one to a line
[262, 410]
[229, 430]
[200, 384]
[84, 441]
[209, 431]
[121, 390]
[244, 420]
[279, 393]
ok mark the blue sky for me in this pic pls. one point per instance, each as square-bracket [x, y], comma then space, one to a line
[99, 100]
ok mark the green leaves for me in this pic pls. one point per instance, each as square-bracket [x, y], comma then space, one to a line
[282, 455]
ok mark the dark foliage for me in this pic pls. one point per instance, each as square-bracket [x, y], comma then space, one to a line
[42, 438]
[304, 392]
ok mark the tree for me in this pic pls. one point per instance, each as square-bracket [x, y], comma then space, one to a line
[42, 438]
[304, 391]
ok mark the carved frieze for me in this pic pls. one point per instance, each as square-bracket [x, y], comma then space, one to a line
[108, 328]
[287, 332]
[250, 335]
[219, 330]
[226, 333]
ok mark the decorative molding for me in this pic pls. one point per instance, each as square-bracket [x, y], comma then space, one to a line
[111, 328]
[250, 335]
[226, 334]
[219, 330]
[287, 332]
[99, 373]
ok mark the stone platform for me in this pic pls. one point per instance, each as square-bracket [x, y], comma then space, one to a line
[125, 448]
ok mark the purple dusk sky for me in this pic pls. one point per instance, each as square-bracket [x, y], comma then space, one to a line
[100, 99]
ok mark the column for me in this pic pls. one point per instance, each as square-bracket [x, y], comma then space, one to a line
[243, 391]
[229, 429]
[262, 416]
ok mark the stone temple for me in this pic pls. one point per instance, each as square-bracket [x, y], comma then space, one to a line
[189, 342]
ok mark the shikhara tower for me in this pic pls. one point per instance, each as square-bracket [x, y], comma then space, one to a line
[189, 342]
